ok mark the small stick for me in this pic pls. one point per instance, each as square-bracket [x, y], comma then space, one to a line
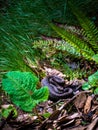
[63, 106]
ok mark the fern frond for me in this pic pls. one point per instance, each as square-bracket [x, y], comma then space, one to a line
[51, 47]
[74, 41]
[67, 49]
[90, 31]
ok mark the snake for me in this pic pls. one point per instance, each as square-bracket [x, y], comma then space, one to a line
[57, 87]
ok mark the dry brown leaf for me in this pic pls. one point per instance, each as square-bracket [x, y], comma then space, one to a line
[25, 117]
[93, 124]
[68, 119]
[95, 109]
[50, 72]
[87, 106]
[80, 101]
[54, 115]
[73, 116]
[77, 128]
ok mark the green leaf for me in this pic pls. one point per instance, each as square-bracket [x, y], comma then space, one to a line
[21, 87]
[46, 115]
[92, 83]
[93, 79]
[96, 91]
[95, 58]
[86, 86]
[6, 111]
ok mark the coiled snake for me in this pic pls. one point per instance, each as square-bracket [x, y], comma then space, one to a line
[57, 87]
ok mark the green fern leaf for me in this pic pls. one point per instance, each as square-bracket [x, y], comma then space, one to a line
[21, 87]
[90, 31]
[80, 45]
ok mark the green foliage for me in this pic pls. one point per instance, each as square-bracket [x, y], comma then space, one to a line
[22, 22]
[55, 53]
[21, 87]
[92, 83]
[26, 16]
[86, 45]
[16, 53]
[49, 48]
[79, 45]
[6, 111]
[90, 32]
[46, 115]
[95, 58]
[24, 56]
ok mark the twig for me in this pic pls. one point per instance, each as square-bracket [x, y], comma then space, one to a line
[63, 106]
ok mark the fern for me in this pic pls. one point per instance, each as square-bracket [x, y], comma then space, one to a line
[23, 22]
[86, 45]
[30, 17]
[49, 48]
[89, 29]
[80, 45]
[67, 49]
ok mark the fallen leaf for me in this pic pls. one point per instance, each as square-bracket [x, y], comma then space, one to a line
[87, 106]
[75, 115]
[93, 124]
[54, 115]
[80, 101]
[77, 128]
[25, 117]
[50, 72]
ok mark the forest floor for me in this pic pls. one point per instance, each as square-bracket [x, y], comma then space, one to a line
[77, 112]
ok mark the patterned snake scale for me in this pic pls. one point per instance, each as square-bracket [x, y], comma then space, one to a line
[57, 87]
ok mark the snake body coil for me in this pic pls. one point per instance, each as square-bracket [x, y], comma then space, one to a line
[57, 87]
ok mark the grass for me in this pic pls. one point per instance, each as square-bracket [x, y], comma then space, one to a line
[20, 27]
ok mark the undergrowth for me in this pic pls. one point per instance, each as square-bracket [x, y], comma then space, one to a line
[20, 38]
[86, 42]
[22, 48]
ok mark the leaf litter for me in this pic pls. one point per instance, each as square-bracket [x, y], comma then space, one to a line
[79, 112]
